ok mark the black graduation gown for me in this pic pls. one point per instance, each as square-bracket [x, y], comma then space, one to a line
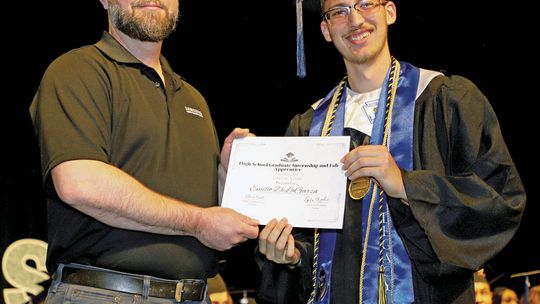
[466, 202]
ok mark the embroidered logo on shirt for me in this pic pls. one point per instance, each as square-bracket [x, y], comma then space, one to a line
[193, 111]
[370, 108]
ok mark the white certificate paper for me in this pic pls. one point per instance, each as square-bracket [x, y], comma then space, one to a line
[299, 178]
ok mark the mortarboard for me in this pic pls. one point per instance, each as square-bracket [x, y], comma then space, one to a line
[527, 283]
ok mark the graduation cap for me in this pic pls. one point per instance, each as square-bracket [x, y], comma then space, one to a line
[526, 274]
[310, 5]
[480, 276]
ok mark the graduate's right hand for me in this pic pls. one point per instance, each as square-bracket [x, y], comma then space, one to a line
[277, 243]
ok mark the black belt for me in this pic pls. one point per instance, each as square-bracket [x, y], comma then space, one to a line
[179, 290]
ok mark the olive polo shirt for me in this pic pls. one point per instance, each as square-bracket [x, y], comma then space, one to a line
[99, 102]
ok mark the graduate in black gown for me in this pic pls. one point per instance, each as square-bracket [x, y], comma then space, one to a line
[433, 193]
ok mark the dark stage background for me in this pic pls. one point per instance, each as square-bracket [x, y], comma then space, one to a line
[241, 56]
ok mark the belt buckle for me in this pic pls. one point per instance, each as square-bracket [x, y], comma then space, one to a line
[179, 291]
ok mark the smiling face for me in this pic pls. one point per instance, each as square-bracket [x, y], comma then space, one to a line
[144, 20]
[359, 37]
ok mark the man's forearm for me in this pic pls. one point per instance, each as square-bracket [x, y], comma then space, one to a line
[113, 197]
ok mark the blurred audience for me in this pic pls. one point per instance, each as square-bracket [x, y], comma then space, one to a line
[217, 289]
[504, 295]
[482, 290]
[534, 296]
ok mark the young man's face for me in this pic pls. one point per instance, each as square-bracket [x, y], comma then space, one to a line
[362, 34]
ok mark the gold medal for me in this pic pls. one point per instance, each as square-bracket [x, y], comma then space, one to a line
[359, 187]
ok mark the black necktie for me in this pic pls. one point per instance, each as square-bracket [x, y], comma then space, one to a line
[357, 137]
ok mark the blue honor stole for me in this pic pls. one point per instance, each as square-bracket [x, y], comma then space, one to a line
[399, 139]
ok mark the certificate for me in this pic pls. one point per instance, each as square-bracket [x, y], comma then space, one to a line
[299, 178]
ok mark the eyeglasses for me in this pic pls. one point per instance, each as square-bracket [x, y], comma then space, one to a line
[340, 13]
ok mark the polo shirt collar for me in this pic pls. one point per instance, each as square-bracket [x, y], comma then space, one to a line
[114, 50]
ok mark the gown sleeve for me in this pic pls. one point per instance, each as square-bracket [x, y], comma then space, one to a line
[465, 196]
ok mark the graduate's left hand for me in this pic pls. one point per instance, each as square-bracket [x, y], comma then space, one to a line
[377, 162]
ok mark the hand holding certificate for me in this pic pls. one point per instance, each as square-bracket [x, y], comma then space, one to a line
[299, 178]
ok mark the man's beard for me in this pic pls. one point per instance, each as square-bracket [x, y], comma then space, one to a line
[148, 26]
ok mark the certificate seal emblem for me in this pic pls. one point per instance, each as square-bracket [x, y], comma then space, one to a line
[359, 187]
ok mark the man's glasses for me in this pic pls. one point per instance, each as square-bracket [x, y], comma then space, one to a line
[340, 14]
